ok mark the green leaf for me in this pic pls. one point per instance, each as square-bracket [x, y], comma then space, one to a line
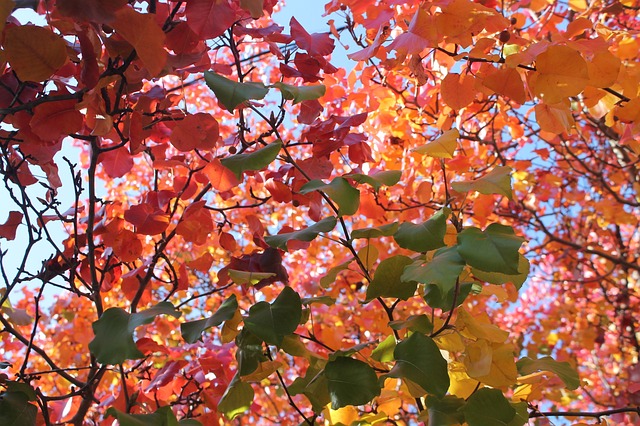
[437, 300]
[443, 147]
[488, 407]
[236, 399]
[498, 278]
[301, 93]
[4, 365]
[380, 231]
[387, 280]
[271, 322]
[418, 359]
[332, 274]
[313, 385]
[339, 190]
[561, 369]
[306, 234]
[377, 180]
[493, 250]
[231, 93]
[15, 406]
[324, 300]
[113, 342]
[445, 411]
[250, 352]
[350, 351]
[442, 270]
[522, 414]
[384, 351]
[248, 277]
[498, 181]
[192, 330]
[351, 382]
[426, 236]
[163, 416]
[256, 160]
[419, 323]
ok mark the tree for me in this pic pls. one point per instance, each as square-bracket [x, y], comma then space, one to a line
[254, 233]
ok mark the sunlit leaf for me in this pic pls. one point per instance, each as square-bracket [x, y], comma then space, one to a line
[443, 146]
[236, 399]
[34, 53]
[561, 72]
[301, 93]
[497, 181]
[563, 369]
[340, 191]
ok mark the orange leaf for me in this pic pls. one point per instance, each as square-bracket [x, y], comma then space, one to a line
[196, 223]
[6, 7]
[197, 131]
[562, 72]
[220, 177]
[554, 118]
[147, 220]
[54, 119]
[116, 162]
[227, 241]
[145, 35]
[8, 229]
[202, 264]
[34, 53]
[507, 82]
[603, 69]
[127, 246]
[458, 90]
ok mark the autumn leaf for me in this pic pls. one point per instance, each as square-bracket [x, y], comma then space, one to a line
[458, 90]
[507, 82]
[443, 146]
[497, 181]
[210, 18]
[10, 226]
[35, 53]
[561, 72]
[100, 11]
[146, 219]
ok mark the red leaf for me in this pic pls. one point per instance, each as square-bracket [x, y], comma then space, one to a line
[148, 346]
[309, 111]
[127, 246]
[100, 11]
[210, 18]
[116, 162]
[197, 131]
[220, 177]
[8, 229]
[146, 219]
[196, 223]
[316, 44]
[227, 241]
[202, 264]
[54, 119]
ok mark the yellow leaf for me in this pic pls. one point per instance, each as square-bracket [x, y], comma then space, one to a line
[461, 385]
[145, 35]
[478, 358]
[578, 5]
[479, 327]
[562, 72]
[368, 255]
[442, 147]
[34, 53]
[264, 370]
[230, 328]
[345, 415]
[502, 369]
[603, 69]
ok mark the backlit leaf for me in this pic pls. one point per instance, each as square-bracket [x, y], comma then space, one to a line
[306, 234]
[301, 93]
[236, 399]
[192, 330]
[497, 181]
[493, 250]
[563, 369]
[231, 93]
[209, 18]
[457, 90]
[384, 351]
[195, 131]
[507, 82]
[418, 359]
[271, 322]
[350, 382]
[145, 35]
[10, 226]
[376, 180]
[443, 146]
[561, 72]
[387, 280]
[425, 236]
[34, 53]
[54, 119]
[339, 190]
[256, 160]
